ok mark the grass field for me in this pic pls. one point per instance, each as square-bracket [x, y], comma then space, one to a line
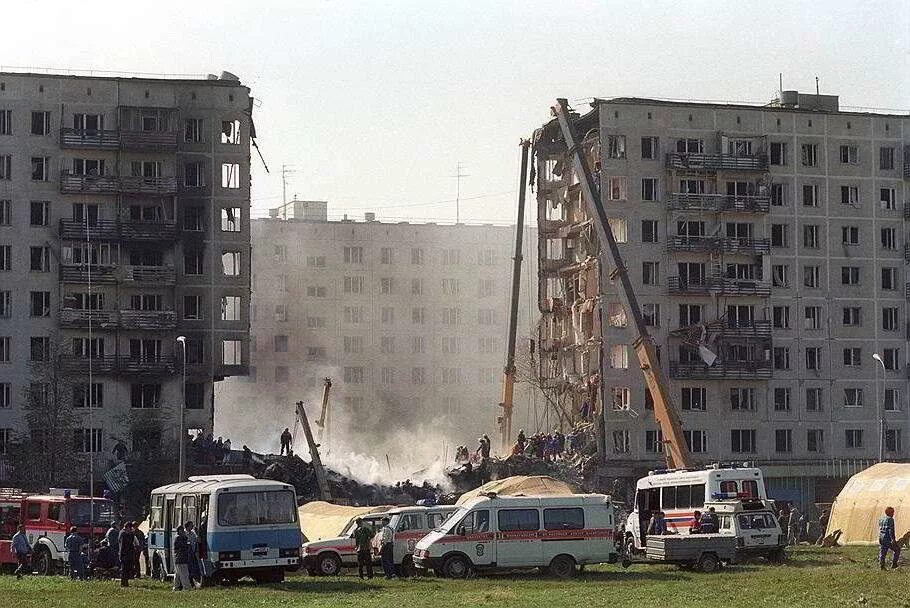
[812, 577]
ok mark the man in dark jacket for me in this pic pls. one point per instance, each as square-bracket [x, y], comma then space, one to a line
[182, 561]
[127, 547]
[363, 538]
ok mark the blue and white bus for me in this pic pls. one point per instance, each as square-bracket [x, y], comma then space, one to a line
[246, 527]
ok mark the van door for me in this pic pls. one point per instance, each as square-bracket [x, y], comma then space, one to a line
[518, 541]
[410, 529]
[474, 538]
[757, 530]
[169, 534]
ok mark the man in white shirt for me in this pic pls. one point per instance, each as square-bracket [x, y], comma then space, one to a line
[386, 537]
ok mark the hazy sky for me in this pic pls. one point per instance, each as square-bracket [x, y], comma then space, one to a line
[374, 103]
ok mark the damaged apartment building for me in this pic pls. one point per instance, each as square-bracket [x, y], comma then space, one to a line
[124, 210]
[768, 248]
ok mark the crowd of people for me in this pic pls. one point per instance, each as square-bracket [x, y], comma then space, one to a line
[205, 449]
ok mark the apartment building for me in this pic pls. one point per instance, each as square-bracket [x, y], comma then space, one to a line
[124, 223]
[768, 249]
[408, 320]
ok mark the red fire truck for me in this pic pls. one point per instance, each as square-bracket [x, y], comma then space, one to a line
[47, 519]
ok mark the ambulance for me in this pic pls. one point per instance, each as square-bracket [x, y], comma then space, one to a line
[491, 532]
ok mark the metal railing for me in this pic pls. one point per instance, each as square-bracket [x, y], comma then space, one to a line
[162, 275]
[148, 140]
[747, 246]
[713, 162]
[720, 369]
[681, 201]
[80, 273]
[112, 230]
[148, 319]
[75, 364]
[71, 183]
[89, 139]
[79, 318]
[720, 287]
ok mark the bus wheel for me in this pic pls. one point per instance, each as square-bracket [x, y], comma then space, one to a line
[456, 566]
[562, 566]
[328, 564]
[708, 563]
[43, 563]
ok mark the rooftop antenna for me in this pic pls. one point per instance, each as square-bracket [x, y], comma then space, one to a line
[458, 175]
[781, 86]
[285, 171]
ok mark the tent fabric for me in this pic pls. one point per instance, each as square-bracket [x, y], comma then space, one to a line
[320, 520]
[862, 502]
[534, 485]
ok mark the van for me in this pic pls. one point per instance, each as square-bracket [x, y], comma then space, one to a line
[679, 493]
[753, 523]
[409, 524]
[490, 532]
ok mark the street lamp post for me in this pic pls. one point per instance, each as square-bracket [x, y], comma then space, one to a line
[181, 437]
[881, 412]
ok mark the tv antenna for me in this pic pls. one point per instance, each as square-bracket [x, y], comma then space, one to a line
[458, 175]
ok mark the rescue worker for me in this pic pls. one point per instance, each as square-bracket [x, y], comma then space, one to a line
[522, 440]
[193, 539]
[363, 538]
[286, 441]
[73, 545]
[181, 561]
[23, 550]
[112, 536]
[793, 526]
[709, 522]
[887, 539]
[386, 545]
[822, 525]
[658, 524]
[126, 543]
[695, 528]
[142, 551]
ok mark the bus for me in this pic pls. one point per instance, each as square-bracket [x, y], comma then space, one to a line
[246, 527]
[679, 493]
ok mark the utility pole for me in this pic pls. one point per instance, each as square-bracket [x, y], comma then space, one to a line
[458, 175]
[285, 171]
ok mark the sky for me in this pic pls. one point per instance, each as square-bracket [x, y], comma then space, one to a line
[374, 104]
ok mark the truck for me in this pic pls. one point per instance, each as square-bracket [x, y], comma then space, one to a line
[47, 519]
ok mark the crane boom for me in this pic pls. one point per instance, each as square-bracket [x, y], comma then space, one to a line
[324, 491]
[675, 448]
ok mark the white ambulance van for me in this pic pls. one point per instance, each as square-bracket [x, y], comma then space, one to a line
[555, 533]
[680, 493]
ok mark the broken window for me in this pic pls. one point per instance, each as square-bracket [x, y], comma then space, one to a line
[849, 195]
[849, 155]
[230, 308]
[886, 158]
[622, 398]
[230, 175]
[230, 263]
[650, 273]
[690, 228]
[231, 352]
[811, 276]
[621, 443]
[230, 132]
[230, 219]
[694, 398]
[616, 315]
[616, 146]
[780, 275]
[145, 168]
[812, 317]
[692, 186]
[853, 397]
[616, 188]
[691, 272]
[620, 229]
[651, 314]
[649, 231]
[778, 153]
[689, 314]
[740, 147]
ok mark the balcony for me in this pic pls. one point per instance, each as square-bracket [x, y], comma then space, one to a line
[113, 230]
[148, 231]
[157, 275]
[89, 139]
[743, 370]
[78, 318]
[83, 273]
[718, 286]
[71, 183]
[148, 319]
[717, 203]
[163, 141]
[744, 246]
[714, 162]
[104, 364]
[746, 329]
[148, 366]
[906, 162]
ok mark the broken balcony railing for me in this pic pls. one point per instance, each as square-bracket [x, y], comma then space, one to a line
[719, 286]
[681, 201]
[713, 162]
[746, 246]
[720, 369]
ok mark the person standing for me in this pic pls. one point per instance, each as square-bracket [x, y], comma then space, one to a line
[823, 526]
[793, 526]
[73, 546]
[286, 441]
[112, 535]
[386, 546]
[193, 539]
[887, 539]
[181, 561]
[23, 551]
[363, 539]
[126, 543]
[142, 550]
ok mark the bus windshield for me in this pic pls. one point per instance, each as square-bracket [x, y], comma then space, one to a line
[262, 507]
[80, 512]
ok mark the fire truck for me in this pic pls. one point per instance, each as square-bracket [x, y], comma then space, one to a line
[47, 519]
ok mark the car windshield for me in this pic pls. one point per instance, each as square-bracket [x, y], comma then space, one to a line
[370, 521]
[449, 524]
[80, 512]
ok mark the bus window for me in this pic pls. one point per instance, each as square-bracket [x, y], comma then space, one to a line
[155, 521]
[668, 497]
[254, 508]
[435, 520]
[750, 488]
[188, 507]
[683, 498]
[698, 496]
[728, 486]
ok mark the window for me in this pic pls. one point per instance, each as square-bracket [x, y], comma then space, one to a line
[886, 158]
[486, 316]
[418, 345]
[852, 316]
[781, 358]
[87, 441]
[353, 255]
[41, 122]
[689, 314]
[564, 519]
[893, 440]
[779, 235]
[778, 195]
[82, 397]
[617, 189]
[192, 130]
[892, 358]
[39, 213]
[783, 440]
[814, 400]
[385, 255]
[192, 308]
[450, 287]
[353, 345]
[781, 399]
[40, 259]
[849, 155]
[230, 132]
[231, 353]
[815, 440]
[650, 148]
[6, 167]
[694, 398]
[486, 345]
[352, 315]
[849, 195]
[5, 212]
[812, 318]
[852, 357]
[810, 195]
[417, 256]
[813, 358]
[256, 508]
[5, 397]
[230, 308]
[40, 348]
[811, 276]
[386, 286]
[192, 262]
[315, 261]
[853, 438]
[230, 263]
[353, 375]
[780, 316]
[810, 236]
[230, 219]
[230, 175]
[145, 396]
[742, 399]
[889, 318]
[451, 257]
[621, 443]
[316, 353]
[696, 440]
[889, 238]
[619, 356]
[6, 122]
[650, 273]
[888, 199]
[649, 231]
[616, 146]
[40, 304]
[850, 235]
[650, 313]
[6, 304]
[649, 189]
[5, 349]
[654, 441]
[849, 275]
[353, 284]
[622, 398]
[316, 291]
[40, 168]
[892, 400]
[387, 315]
[889, 278]
[690, 146]
[486, 288]
[809, 155]
[778, 156]
[742, 441]
[450, 345]
[418, 316]
[853, 397]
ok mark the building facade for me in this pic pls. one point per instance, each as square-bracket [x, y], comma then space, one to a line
[124, 223]
[408, 320]
[768, 249]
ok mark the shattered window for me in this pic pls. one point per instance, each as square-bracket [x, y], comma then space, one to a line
[616, 146]
[230, 175]
[230, 219]
[230, 132]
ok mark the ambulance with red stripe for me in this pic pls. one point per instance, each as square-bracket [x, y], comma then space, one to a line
[679, 493]
[490, 532]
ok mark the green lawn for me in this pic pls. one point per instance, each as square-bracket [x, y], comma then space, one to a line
[813, 577]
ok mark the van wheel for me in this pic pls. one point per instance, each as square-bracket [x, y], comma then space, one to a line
[456, 566]
[562, 566]
[407, 569]
[328, 564]
[708, 563]
[778, 556]
[43, 563]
